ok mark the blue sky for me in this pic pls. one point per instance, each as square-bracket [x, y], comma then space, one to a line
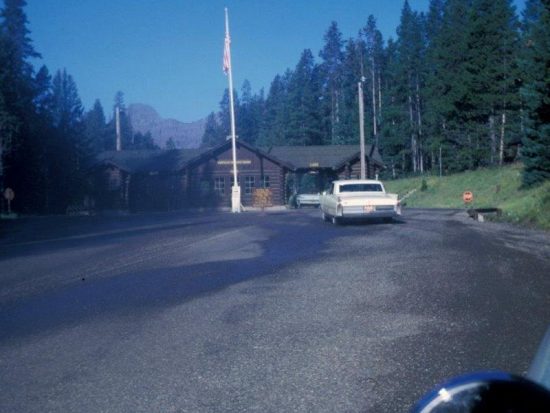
[168, 53]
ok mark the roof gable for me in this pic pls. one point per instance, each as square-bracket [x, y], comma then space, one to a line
[216, 150]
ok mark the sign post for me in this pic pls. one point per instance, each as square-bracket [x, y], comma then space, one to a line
[9, 195]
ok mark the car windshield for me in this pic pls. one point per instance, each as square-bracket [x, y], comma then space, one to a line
[361, 188]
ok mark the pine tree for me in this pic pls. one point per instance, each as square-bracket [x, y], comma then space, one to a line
[256, 111]
[213, 134]
[536, 92]
[304, 127]
[274, 128]
[331, 81]
[8, 130]
[393, 146]
[450, 83]
[373, 73]
[21, 147]
[144, 141]
[411, 50]
[41, 150]
[351, 74]
[95, 128]
[71, 154]
[249, 114]
[492, 68]
[16, 50]
[225, 113]
[435, 142]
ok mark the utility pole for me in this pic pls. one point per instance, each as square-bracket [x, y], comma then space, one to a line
[117, 122]
[374, 117]
[361, 127]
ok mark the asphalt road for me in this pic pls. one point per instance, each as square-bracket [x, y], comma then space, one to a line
[273, 312]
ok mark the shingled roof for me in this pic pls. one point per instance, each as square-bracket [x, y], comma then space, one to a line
[291, 157]
[322, 156]
[145, 161]
[208, 152]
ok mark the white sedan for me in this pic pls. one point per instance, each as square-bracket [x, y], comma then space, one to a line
[358, 198]
[307, 199]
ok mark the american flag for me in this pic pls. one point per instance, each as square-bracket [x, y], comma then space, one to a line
[227, 54]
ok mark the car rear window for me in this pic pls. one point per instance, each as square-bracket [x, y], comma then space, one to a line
[361, 188]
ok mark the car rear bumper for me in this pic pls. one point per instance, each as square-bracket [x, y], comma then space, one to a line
[376, 212]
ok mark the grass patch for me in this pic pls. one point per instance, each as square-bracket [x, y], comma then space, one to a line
[492, 187]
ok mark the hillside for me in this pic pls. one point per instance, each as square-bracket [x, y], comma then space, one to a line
[492, 187]
[145, 119]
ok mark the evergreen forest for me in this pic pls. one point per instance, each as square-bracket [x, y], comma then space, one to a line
[462, 86]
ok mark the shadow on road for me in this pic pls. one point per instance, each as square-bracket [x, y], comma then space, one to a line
[299, 238]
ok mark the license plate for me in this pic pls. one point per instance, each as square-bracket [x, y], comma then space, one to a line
[368, 208]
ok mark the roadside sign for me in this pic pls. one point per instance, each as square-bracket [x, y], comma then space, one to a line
[467, 197]
[9, 194]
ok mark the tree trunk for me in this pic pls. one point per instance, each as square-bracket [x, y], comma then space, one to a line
[379, 98]
[493, 137]
[419, 120]
[332, 117]
[337, 96]
[470, 145]
[521, 117]
[440, 162]
[413, 138]
[502, 132]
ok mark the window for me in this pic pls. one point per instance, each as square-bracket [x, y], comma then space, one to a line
[219, 185]
[233, 180]
[361, 188]
[265, 183]
[248, 184]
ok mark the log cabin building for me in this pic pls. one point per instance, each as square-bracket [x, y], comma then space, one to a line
[190, 178]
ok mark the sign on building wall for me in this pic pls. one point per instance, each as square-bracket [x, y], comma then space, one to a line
[230, 162]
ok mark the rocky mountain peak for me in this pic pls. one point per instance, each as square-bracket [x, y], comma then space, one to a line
[145, 118]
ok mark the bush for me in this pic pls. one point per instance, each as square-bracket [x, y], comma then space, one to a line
[424, 185]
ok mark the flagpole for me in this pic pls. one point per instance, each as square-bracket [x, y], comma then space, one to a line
[236, 189]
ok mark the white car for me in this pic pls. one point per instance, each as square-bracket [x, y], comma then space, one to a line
[358, 198]
[307, 199]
